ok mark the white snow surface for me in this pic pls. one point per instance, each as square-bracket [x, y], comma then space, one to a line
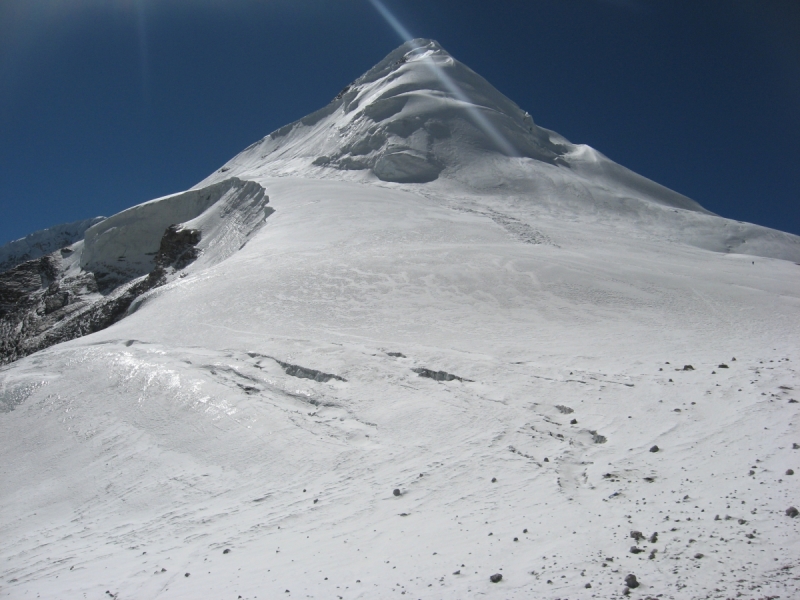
[176, 454]
[226, 214]
[43, 242]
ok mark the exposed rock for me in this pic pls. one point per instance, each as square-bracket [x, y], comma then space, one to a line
[688, 368]
[564, 409]
[654, 538]
[41, 307]
[636, 550]
[85, 288]
[396, 492]
[597, 438]
[306, 373]
[495, 578]
[438, 375]
[631, 581]
[790, 471]
[637, 535]
[654, 449]
[792, 512]
[178, 247]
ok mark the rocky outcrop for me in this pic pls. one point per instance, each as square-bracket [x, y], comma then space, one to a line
[40, 305]
[93, 283]
[438, 375]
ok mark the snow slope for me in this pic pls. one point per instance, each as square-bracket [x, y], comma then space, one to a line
[242, 432]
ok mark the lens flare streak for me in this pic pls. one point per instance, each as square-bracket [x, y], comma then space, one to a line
[475, 114]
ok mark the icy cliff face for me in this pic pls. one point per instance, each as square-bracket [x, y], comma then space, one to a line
[91, 284]
[43, 242]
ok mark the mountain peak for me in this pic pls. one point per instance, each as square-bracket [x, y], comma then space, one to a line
[420, 115]
[415, 114]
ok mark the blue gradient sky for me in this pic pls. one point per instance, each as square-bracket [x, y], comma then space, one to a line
[108, 103]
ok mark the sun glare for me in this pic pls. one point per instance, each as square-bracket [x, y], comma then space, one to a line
[474, 112]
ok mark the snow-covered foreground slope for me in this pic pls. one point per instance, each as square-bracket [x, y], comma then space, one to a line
[445, 350]
[180, 433]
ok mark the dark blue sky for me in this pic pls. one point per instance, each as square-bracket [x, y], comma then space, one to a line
[105, 104]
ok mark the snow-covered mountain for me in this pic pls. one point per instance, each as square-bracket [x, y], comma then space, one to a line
[43, 242]
[407, 343]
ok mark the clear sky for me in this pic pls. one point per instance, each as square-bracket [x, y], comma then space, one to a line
[108, 103]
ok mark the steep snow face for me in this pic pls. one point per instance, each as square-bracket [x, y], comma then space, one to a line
[422, 119]
[43, 242]
[420, 115]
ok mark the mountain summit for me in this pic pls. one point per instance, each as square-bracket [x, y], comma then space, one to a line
[419, 115]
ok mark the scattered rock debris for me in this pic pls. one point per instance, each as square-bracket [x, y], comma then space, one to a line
[305, 373]
[439, 375]
[564, 409]
[631, 581]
